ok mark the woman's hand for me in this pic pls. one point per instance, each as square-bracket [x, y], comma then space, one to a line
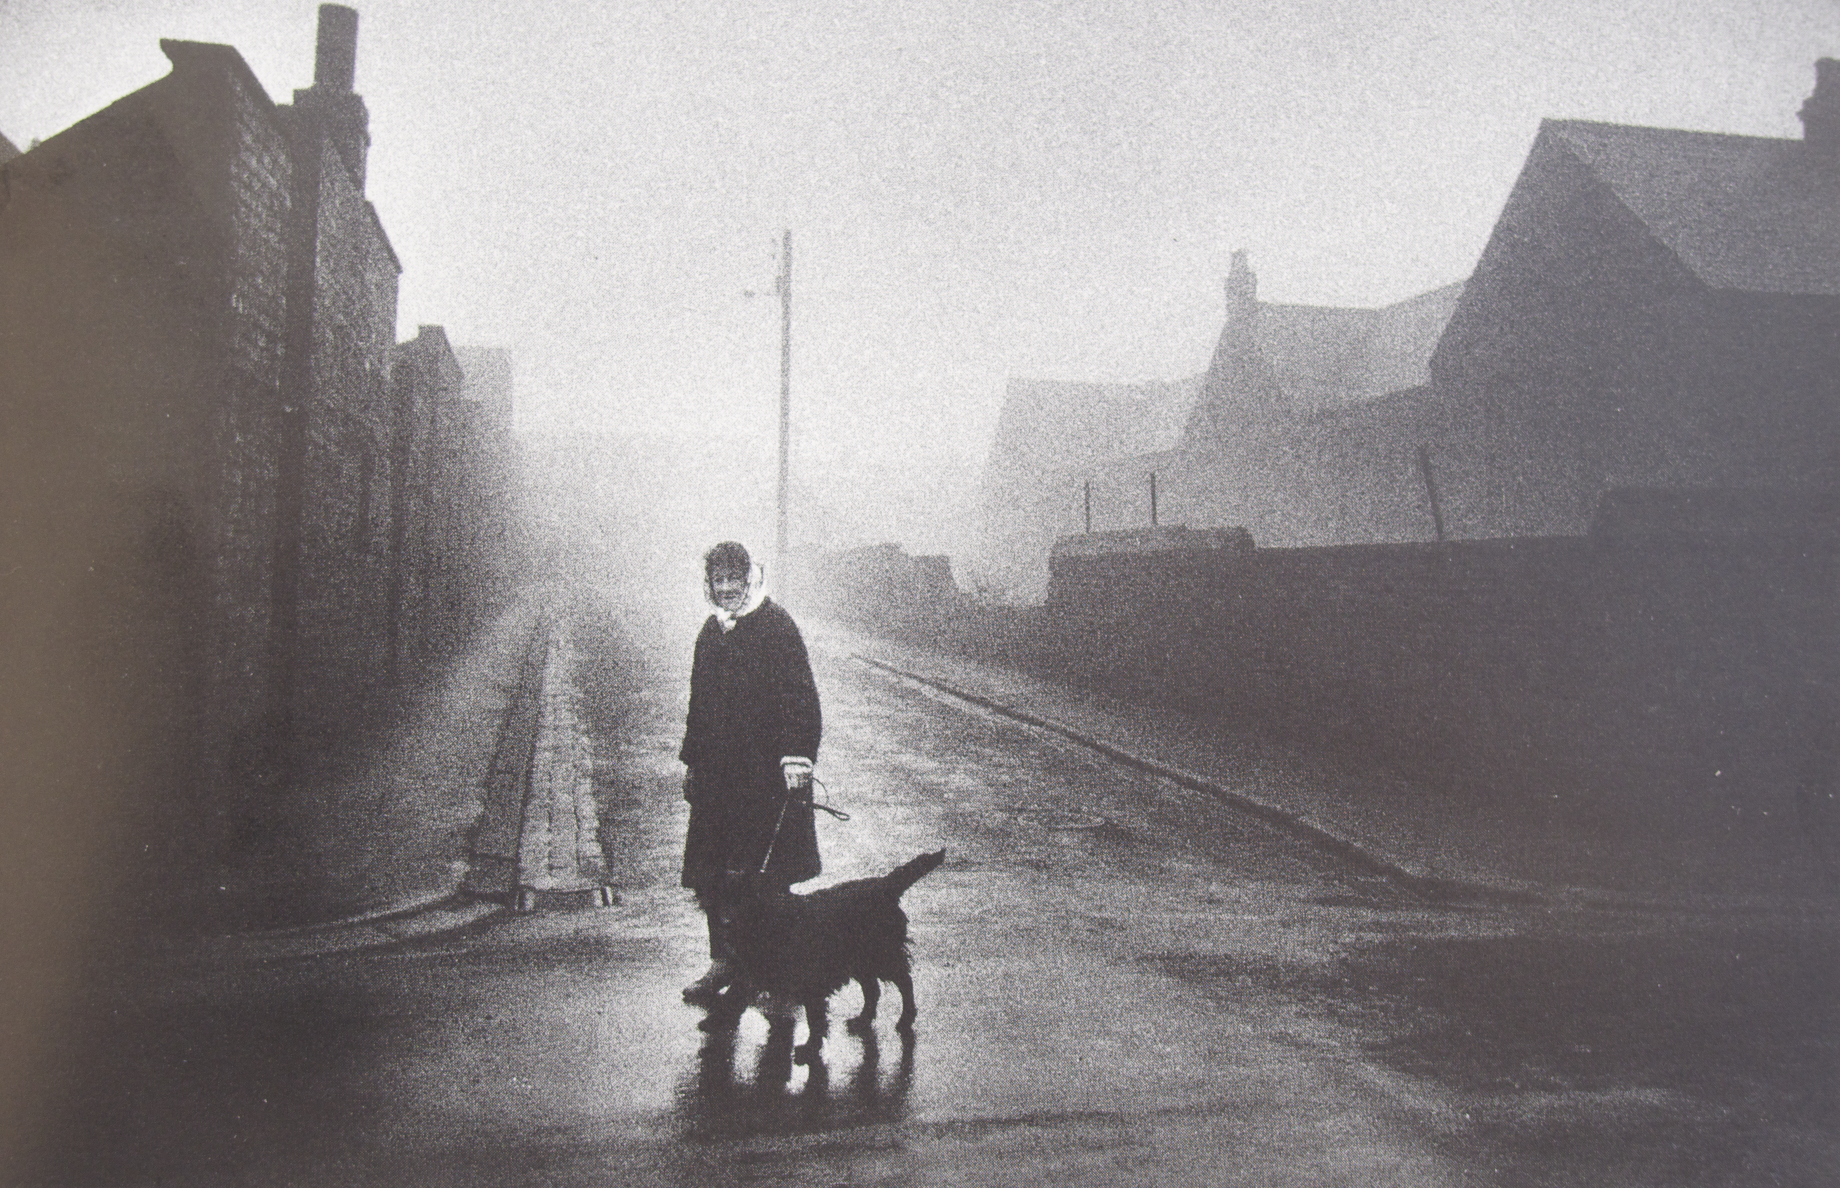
[797, 770]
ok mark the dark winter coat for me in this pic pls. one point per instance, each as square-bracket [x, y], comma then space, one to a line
[752, 702]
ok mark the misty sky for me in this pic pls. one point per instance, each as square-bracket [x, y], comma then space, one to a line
[975, 191]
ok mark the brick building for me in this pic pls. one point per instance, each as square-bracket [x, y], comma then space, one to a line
[210, 477]
[490, 546]
[453, 544]
[428, 382]
[331, 596]
[144, 303]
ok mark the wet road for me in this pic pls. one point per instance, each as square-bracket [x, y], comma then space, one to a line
[1119, 982]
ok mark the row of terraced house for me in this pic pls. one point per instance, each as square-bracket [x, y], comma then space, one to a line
[234, 505]
[1652, 330]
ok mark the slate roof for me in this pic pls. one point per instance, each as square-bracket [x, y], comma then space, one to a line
[1753, 214]
[1324, 357]
[1329, 357]
[1048, 424]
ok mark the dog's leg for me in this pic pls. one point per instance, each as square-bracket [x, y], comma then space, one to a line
[872, 994]
[904, 982]
[728, 1007]
[817, 1022]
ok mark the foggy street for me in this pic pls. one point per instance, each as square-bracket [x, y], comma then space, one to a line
[1119, 980]
[1316, 526]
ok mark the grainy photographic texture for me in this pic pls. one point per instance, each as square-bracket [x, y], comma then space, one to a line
[1324, 512]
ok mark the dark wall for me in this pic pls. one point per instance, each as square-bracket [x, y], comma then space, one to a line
[1453, 659]
[1677, 690]
[250, 173]
[136, 384]
[136, 442]
[1586, 357]
[198, 437]
[343, 626]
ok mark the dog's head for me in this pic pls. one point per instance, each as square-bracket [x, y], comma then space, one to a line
[745, 899]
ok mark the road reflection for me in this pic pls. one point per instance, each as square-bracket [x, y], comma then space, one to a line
[738, 1087]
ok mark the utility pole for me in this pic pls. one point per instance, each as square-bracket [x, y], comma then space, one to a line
[785, 400]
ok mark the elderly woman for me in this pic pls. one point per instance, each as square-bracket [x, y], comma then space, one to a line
[749, 744]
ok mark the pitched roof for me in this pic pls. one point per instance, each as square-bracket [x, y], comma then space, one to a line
[208, 55]
[1329, 357]
[1750, 213]
[1049, 423]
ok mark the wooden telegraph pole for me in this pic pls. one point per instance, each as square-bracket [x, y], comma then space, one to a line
[785, 402]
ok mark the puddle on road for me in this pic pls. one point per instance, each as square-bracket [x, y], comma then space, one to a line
[751, 1086]
[1678, 1057]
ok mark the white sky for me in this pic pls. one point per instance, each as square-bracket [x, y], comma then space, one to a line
[976, 190]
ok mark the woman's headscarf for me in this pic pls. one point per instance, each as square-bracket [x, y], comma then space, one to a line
[732, 557]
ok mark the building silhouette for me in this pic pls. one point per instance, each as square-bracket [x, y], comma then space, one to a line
[229, 496]
[1648, 336]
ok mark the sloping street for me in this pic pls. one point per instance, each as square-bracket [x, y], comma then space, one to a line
[1121, 980]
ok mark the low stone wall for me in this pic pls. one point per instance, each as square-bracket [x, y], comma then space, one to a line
[1670, 697]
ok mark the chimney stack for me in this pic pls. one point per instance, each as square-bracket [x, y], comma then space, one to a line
[335, 62]
[1821, 113]
[330, 107]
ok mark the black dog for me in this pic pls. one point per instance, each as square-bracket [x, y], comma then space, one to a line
[806, 947]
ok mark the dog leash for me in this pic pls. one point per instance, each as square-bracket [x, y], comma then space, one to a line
[835, 812]
[784, 802]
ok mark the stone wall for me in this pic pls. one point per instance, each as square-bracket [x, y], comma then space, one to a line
[1673, 687]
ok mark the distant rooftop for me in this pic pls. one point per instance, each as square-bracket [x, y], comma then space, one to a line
[1052, 423]
[1329, 357]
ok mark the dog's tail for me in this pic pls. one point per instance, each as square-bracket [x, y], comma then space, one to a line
[898, 880]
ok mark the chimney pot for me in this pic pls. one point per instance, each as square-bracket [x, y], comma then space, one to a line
[335, 60]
